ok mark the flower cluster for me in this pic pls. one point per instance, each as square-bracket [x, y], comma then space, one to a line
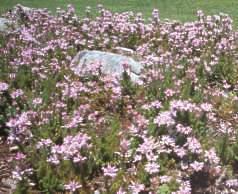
[70, 149]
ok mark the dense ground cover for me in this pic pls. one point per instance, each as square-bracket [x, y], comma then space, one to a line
[173, 132]
[183, 10]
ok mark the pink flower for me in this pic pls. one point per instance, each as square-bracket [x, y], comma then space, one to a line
[37, 101]
[78, 158]
[110, 171]
[164, 118]
[185, 188]
[193, 145]
[152, 167]
[136, 188]
[169, 92]
[232, 183]
[3, 86]
[148, 146]
[206, 107]
[44, 143]
[165, 179]
[53, 159]
[17, 93]
[197, 166]
[20, 156]
[184, 130]
[70, 149]
[181, 152]
[120, 191]
[156, 104]
[211, 156]
[72, 186]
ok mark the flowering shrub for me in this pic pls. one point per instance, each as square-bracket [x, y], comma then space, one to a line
[173, 132]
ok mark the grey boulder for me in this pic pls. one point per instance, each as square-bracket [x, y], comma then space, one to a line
[22, 12]
[22, 8]
[110, 63]
[5, 24]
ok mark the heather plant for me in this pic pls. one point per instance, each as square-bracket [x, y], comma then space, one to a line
[175, 131]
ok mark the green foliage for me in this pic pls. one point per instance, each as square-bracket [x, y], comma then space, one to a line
[128, 87]
[22, 188]
[6, 110]
[226, 70]
[24, 78]
[49, 182]
[164, 189]
[107, 142]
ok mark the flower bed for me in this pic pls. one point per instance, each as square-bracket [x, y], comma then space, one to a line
[173, 132]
